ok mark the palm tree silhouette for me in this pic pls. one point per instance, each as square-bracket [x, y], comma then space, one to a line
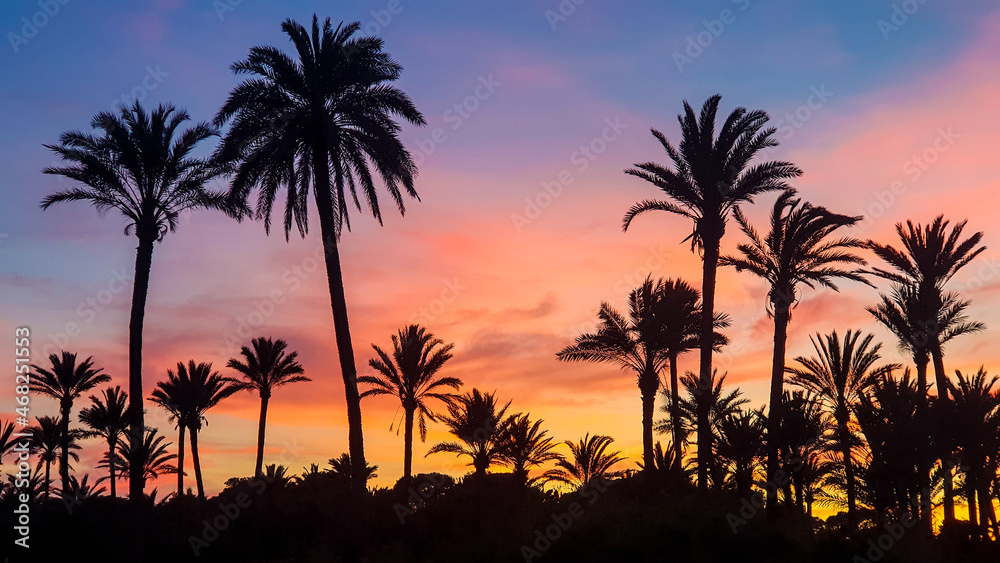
[65, 382]
[524, 444]
[107, 418]
[930, 257]
[741, 445]
[838, 374]
[643, 342]
[410, 374]
[187, 396]
[6, 444]
[719, 405]
[589, 460]
[797, 251]
[708, 178]
[266, 367]
[142, 167]
[152, 458]
[47, 442]
[329, 118]
[801, 442]
[976, 427]
[477, 420]
[342, 467]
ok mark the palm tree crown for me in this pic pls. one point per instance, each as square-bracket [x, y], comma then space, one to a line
[477, 420]
[590, 460]
[106, 417]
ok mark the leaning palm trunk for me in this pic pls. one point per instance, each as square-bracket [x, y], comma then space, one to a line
[710, 263]
[781, 315]
[338, 303]
[197, 463]
[675, 414]
[258, 466]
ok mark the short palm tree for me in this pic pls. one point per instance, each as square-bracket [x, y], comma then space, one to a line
[524, 445]
[107, 418]
[720, 405]
[410, 374]
[341, 467]
[976, 427]
[797, 251]
[478, 421]
[709, 176]
[141, 165]
[187, 395]
[65, 382]
[741, 446]
[801, 440]
[265, 367]
[47, 443]
[153, 458]
[839, 373]
[589, 460]
[325, 118]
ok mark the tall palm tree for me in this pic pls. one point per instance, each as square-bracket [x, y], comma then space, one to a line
[930, 257]
[838, 374]
[708, 177]
[524, 444]
[589, 460]
[47, 443]
[477, 420]
[797, 251]
[187, 395]
[65, 382]
[327, 118]
[639, 343]
[411, 375]
[264, 368]
[107, 417]
[141, 166]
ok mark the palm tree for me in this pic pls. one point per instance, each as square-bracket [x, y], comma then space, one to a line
[106, 418]
[47, 442]
[976, 427]
[65, 382]
[327, 119]
[590, 460]
[142, 167]
[641, 342]
[187, 396]
[153, 458]
[266, 367]
[477, 420]
[930, 257]
[410, 374]
[524, 445]
[801, 441]
[797, 251]
[741, 445]
[709, 177]
[718, 405]
[342, 467]
[838, 374]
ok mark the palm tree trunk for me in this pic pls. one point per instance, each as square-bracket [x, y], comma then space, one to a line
[777, 387]
[408, 444]
[942, 388]
[710, 264]
[264, 398]
[675, 413]
[180, 462]
[111, 469]
[140, 289]
[338, 303]
[197, 463]
[649, 384]
[48, 478]
[970, 497]
[845, 451]
[64, 409]
[923, 459]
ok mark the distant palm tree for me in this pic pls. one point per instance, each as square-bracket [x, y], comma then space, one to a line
[643, 343]
[6, 444]
[266, 367]
[524, 444]
[930, 257]
[976, 426]
[708, 177]
[153, 458]
[341, 466]
[47, 443]
[839, 373]
[741, 445]
[81, 490]
[477, 420]
[327, 117]
[142, 167]
[801, 441]
[719, 405]
[65, 382]
[797, 251]
[410, 374]
[107, 418]
[589, 460]
[187, 396]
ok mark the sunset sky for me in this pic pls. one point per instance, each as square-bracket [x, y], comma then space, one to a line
[532, 115]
